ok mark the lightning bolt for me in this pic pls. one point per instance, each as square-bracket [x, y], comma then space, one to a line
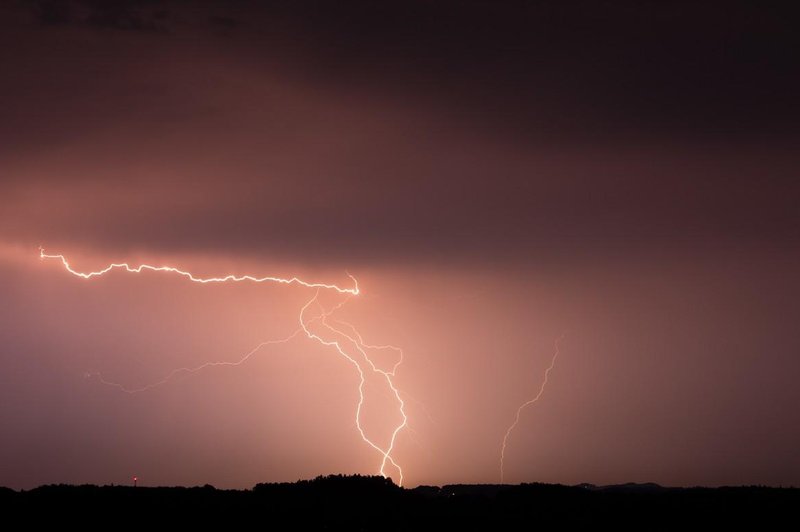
[359, 346]
[344, 342]
[204, 280]
[526, 404]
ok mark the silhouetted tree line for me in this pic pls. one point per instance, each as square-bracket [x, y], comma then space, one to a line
[355, 502]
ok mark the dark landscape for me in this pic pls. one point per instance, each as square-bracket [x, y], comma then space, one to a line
[374, 503]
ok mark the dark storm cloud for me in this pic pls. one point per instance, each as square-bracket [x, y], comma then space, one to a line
[576, 69]
[139, 15]
[401, 129]
[543, 69]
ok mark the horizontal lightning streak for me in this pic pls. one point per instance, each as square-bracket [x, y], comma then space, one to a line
[228, 278]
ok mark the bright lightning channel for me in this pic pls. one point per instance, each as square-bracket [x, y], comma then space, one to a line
[526, 404]
[342, 341]
[228, 278]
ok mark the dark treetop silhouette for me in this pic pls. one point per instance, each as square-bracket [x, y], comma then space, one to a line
[374, 503]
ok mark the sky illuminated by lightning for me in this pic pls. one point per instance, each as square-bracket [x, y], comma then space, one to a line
[491, 175]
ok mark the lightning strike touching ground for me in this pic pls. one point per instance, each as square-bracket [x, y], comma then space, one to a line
[387, 452]
[353, 340]
[524, 405]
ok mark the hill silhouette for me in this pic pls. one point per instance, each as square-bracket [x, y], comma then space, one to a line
[374, 503]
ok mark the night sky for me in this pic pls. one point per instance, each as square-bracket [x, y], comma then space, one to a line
[494, 174]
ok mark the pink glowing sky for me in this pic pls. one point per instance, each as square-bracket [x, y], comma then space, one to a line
[489, 189]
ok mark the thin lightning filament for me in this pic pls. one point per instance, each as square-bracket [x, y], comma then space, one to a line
[524, 405]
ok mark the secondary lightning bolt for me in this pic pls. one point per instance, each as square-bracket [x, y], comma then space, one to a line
[194, 369]
[212, 364]
[354, 338]
[526, 404]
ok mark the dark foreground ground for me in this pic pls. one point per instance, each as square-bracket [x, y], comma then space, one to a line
[372, 503]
